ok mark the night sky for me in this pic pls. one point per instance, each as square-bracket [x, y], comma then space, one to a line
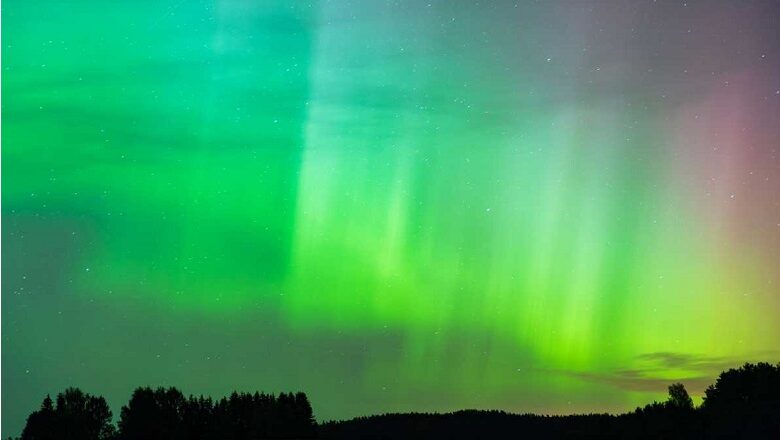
[393, 206]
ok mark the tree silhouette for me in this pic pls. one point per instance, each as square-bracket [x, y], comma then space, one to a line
[744, 388]
[155, 414]
[77, 415]
[679, 398]
[745, 402]
[304, 416]
[41, 424]
[166, 414]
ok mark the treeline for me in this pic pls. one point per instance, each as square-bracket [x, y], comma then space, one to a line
[166, 414]
[743, 403]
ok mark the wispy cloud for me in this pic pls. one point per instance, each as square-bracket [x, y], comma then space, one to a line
[653, 372]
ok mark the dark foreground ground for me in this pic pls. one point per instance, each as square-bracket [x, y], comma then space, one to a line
[499, 425]
[743, 403]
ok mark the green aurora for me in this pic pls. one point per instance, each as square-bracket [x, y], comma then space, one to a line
[393, 206]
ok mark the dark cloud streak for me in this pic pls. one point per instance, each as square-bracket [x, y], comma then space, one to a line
[697, 372]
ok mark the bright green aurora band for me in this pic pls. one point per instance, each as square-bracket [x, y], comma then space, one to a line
[553, 207]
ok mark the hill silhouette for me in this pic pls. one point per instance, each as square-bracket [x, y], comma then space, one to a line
[743, 403]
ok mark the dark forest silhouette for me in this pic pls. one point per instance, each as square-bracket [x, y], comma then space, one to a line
[165, 414]
[743, 403]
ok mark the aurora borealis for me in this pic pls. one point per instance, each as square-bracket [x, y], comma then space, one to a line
[553, 207]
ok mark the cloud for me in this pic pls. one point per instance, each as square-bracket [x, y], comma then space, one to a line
[639, 380]
[654, 372]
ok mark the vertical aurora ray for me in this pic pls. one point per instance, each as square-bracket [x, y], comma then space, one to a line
[395, 207]
[562, 237]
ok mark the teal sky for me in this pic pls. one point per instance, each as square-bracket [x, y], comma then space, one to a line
[393, 206]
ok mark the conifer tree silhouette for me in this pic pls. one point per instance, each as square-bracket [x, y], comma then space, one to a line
[77, 416]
